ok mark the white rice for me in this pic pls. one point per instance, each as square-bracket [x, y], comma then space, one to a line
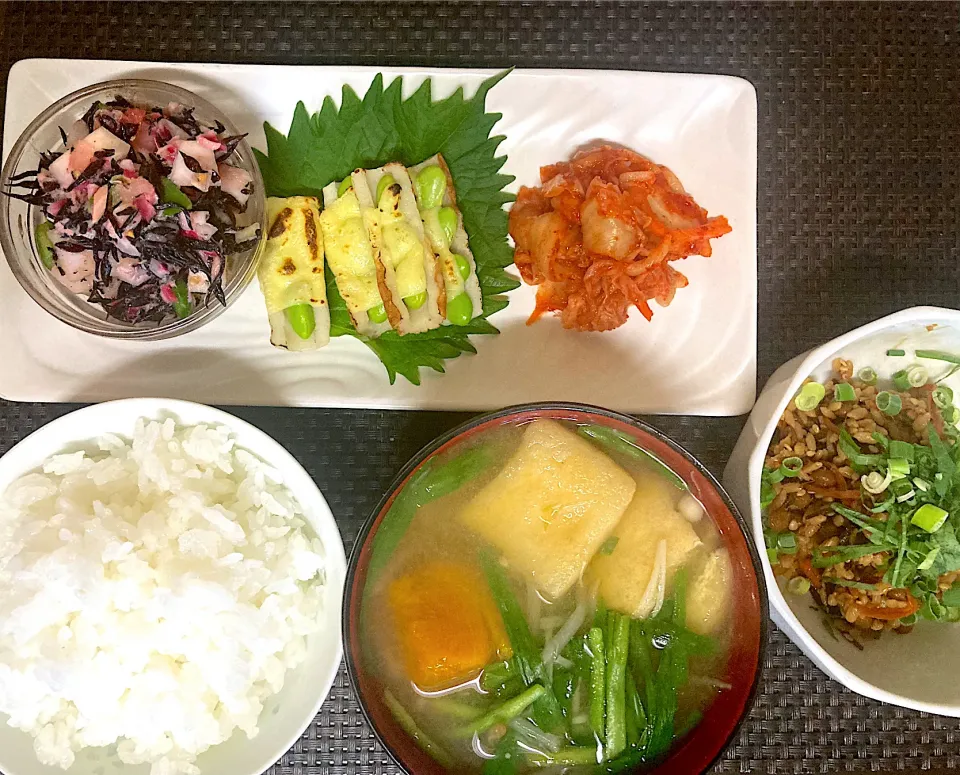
[153, 594]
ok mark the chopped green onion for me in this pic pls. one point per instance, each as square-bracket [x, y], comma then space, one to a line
[951, 415]
[929, 517]
[844, 392]
[810, 396]
[938, 355]
[943, 396]
[889, 403]
[917, 375]
[607, 547]
[867, 375]
[929, 559]
[787, 541]
[900, 380]
[767, 494]
[772, 556]
[909, 621]
[791, 466]
[896, 353]
[921, 484]
[898, 467]
[906, 496]
[901, 449]
[798, 585]
[849, 448]
[875, 482]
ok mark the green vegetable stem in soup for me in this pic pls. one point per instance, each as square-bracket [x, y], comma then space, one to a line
[547, 595]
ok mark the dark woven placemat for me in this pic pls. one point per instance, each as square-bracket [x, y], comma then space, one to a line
[859, 191]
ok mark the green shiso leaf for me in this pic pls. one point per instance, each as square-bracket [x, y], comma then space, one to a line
[383, 127]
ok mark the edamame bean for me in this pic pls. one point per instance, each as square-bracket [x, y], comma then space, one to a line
[431, 183]
[416, 301]
[463, 266]
[301, 319]
[460, 310]
[345, 185]
[182, 306]
[385, 182]
[171, 194]
[447, 217]
[377, 314]
[44, 243]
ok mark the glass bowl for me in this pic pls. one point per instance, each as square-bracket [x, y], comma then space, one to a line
[698, 750]
[18, 219]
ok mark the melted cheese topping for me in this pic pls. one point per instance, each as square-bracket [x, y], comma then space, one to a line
[291, 270]
[349, 253]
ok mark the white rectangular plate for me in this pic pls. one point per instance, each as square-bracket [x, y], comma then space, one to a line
[698, 356]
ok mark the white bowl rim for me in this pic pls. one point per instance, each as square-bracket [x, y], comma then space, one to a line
[755, 464]
[268, 449]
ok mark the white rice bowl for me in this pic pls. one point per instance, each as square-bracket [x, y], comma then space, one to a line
[159, 581]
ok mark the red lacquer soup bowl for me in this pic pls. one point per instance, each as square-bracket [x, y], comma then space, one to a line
[721, 720]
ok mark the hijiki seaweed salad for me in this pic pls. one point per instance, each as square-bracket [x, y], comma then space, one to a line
[140, 209]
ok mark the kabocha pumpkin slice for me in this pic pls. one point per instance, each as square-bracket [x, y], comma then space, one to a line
[446, 623]
[552, 506]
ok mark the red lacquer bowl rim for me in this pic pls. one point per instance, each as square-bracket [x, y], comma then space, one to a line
[704, 746]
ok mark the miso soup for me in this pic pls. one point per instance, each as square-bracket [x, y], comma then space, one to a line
[547, 595]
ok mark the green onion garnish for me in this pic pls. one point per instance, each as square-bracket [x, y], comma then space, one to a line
[798, 585]
[844, 392]
[901, 449]
[900, 380]
[787, 542]
[917, 375]
[906, 496]
[791, 466]
[898, 467]
[943, 396]
[889, 403]
[875, 482]
[921, 484]
[929, 517]
[810, 396]
[772, 556]
[938, 355]
[928, 560]
[951, 415]
[896, 353]
[867, 375]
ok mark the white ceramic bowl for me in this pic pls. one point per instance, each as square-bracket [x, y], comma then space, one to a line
[916, 670]
[286, 715]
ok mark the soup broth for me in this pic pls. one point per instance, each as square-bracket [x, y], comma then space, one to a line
[547, 595]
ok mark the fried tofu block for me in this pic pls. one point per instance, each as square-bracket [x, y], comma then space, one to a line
[556, 500]
[709, 592]
[623, 575]
[447, 624]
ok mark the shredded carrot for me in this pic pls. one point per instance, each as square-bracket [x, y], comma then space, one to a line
[598, 235]
[878, 611]
[840, 495]
[807, 569]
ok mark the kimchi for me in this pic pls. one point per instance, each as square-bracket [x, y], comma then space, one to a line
[598, 236]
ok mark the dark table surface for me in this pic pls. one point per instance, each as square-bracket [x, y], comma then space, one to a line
[858, 200]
